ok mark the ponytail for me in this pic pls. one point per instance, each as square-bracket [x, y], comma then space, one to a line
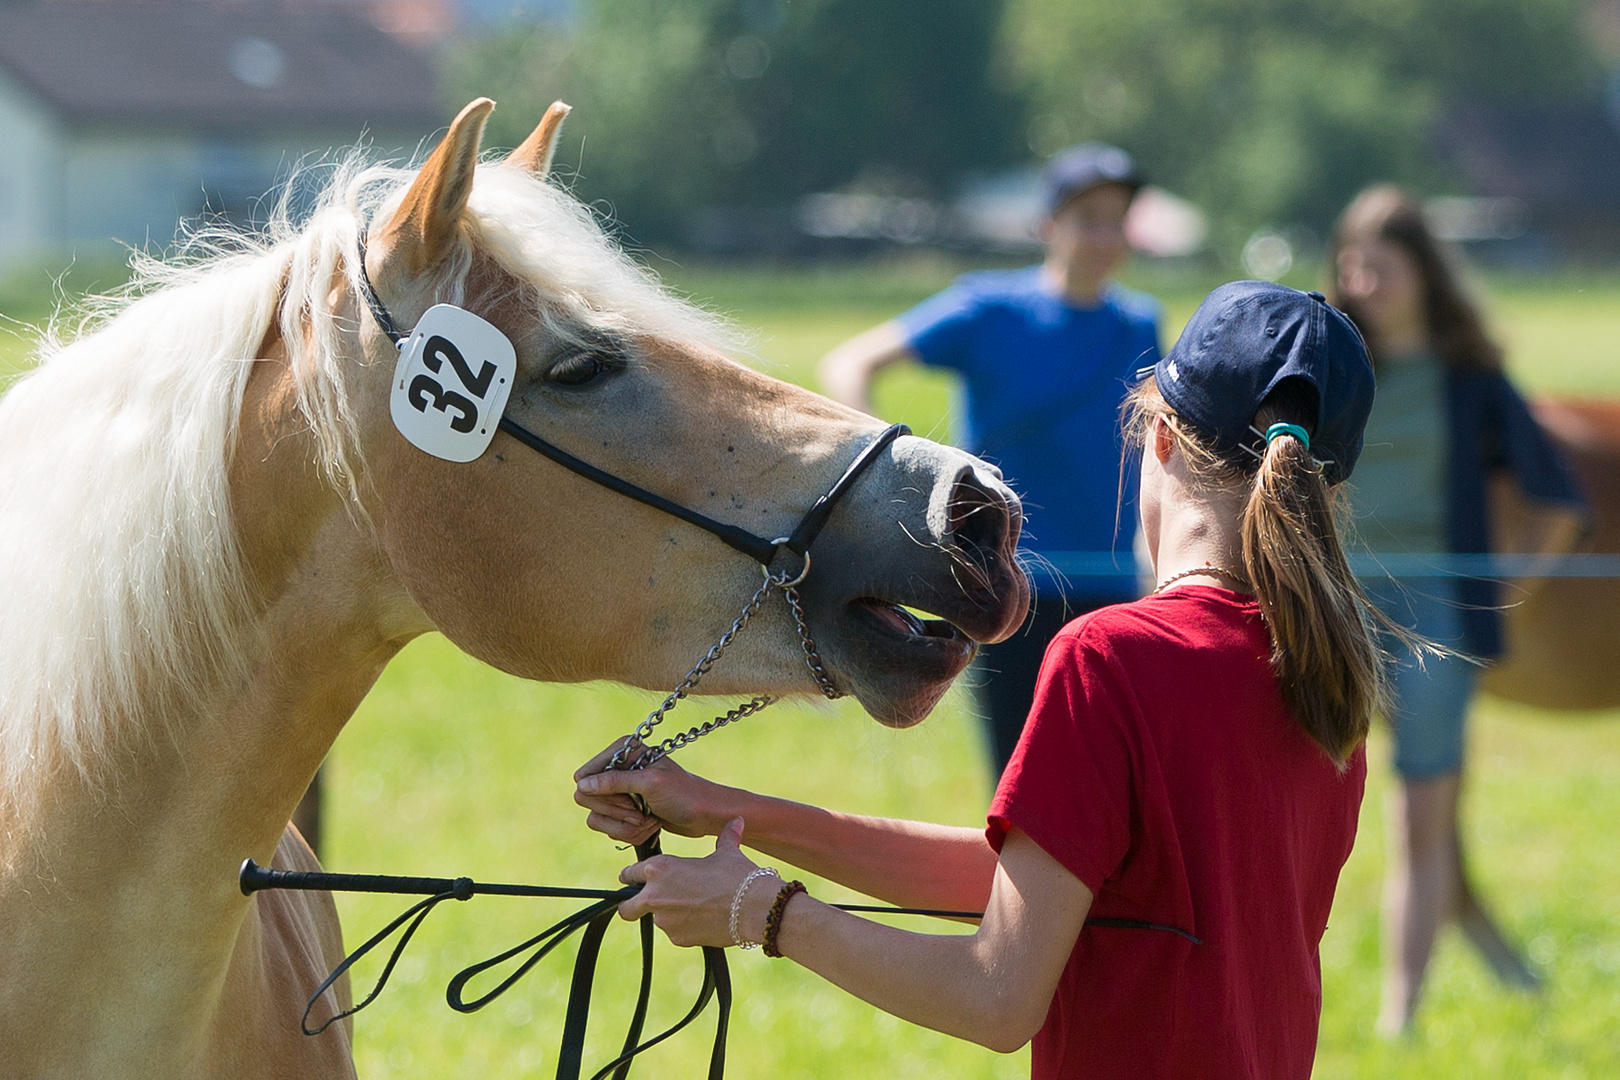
[1324, 648]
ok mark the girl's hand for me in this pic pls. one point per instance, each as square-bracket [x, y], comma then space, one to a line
[690, 899]
[684, 804]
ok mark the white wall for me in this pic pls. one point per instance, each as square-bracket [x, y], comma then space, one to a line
[127, 188]
[93, 189]
[30, 176]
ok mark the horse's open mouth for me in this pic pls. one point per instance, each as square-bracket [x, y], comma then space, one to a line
[913, 654]
[897, 618]
[906, 624]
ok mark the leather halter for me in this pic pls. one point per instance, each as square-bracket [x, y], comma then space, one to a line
[753, 545]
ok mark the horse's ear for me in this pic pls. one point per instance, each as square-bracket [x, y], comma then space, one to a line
[423, 229]
[538, 149]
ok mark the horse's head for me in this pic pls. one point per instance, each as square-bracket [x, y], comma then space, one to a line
[547, 575]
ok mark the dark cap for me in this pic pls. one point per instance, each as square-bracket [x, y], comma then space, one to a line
[1246, 339]
[1081, 168]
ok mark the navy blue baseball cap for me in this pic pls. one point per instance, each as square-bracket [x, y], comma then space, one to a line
[1243, 342]
[1081, 168]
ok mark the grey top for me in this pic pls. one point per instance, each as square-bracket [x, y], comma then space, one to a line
[1398, 493]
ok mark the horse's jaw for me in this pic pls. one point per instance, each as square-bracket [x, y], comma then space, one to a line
[898, 663]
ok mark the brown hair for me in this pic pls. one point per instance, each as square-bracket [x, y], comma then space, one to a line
[1388, 213]
[1324, 648]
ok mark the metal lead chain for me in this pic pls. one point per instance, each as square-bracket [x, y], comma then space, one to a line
[675, 742]
[811, 657]
[641, 739]
[644, 730]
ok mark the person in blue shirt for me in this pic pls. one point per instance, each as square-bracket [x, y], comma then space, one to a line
[1043, 355]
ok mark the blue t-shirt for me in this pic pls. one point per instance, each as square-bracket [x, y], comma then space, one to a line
[1042, 382]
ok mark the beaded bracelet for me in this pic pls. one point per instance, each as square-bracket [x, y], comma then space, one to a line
[736, 904]
[773, 921]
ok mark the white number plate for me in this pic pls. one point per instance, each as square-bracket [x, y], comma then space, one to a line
[451, 383]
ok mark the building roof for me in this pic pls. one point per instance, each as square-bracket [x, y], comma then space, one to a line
[204, 63]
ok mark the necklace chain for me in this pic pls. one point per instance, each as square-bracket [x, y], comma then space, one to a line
[1208, 568]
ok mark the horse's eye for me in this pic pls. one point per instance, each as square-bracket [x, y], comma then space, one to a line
[579, 368]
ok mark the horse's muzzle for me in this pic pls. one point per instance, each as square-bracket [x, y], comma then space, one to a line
[905, 602]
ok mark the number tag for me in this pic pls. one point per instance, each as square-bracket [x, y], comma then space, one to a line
[451, 383]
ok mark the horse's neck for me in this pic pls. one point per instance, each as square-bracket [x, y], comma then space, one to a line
[132, 871]
[122, 931]
[321, 612]
[328, 614]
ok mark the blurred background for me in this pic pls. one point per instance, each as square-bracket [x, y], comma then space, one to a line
[811, 168]
[825, 128]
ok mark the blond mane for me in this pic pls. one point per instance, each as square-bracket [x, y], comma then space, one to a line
[124, 604]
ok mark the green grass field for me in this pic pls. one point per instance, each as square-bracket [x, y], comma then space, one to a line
[452, 768]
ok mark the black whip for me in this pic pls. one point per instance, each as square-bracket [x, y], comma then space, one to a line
[593, 919]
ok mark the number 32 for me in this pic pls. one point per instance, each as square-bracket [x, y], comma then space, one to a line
[425, 390]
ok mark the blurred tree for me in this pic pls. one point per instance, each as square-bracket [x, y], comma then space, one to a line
[748, 104]
[1274, 112]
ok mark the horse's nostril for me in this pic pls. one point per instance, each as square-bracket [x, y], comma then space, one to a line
[981, 518]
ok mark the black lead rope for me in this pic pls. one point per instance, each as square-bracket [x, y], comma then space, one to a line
[593, 920]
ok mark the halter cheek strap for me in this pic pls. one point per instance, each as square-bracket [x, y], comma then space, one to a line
[379, 310]
[756, 547]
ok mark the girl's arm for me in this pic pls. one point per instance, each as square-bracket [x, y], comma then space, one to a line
[909, 863]
[993, 987]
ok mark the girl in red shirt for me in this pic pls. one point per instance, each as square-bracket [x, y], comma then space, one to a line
[1163, 848]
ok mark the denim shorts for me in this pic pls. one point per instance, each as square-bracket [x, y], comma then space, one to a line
[1430, 698]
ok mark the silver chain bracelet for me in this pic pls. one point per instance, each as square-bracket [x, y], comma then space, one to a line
[736, 903]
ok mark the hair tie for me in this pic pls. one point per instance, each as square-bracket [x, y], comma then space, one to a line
[1276, 430]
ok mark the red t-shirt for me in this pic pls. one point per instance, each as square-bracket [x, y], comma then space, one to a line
[1161, 768]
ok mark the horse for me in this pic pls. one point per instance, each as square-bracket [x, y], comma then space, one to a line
[1561, 633]
[214, 536]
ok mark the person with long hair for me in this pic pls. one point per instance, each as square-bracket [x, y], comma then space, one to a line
[1163, 848]
[1446, 419]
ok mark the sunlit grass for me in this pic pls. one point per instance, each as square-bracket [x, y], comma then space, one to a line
[1539, 786]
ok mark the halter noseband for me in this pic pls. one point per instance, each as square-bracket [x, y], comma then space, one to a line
[753, 545]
